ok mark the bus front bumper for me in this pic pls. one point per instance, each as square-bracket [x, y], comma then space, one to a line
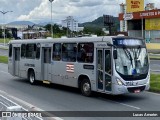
[121, 89]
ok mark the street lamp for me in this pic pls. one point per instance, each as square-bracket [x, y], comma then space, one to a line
[51, 19]
[4, 12]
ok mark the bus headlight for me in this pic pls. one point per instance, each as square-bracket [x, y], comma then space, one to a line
[119, 81]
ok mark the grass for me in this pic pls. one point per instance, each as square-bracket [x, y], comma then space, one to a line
[2, 40]
[3, 59]
[155, 83]
[154, 57]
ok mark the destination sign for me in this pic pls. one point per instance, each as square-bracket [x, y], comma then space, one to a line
[128, 42]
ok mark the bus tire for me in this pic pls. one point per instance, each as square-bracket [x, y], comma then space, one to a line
[86, 88]
[31, 77]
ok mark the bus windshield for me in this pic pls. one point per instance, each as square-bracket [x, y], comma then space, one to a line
[132, 62]
[132, 59]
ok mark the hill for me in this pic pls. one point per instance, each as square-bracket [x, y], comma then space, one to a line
[21, 23]
[98, 23]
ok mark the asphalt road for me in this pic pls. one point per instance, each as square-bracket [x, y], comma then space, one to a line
[60, 98]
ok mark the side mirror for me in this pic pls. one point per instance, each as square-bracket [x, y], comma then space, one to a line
[115, 54]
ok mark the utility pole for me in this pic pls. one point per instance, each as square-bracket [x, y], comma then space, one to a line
[51, 19]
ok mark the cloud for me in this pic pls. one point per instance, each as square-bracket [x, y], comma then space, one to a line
[19, 7]
[82, 10]
[38, 13]
[86, 3]
[40, 10]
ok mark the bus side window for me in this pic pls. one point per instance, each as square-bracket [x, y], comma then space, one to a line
[10, 50]
[85, 52]
[23, 51]
[38, 51]
[31, 51]
[56, 54]
[69, 51]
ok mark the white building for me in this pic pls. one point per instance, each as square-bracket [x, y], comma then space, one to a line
[71, 23]
[80, 28]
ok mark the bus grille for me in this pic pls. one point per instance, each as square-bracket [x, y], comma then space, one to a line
[133, 89]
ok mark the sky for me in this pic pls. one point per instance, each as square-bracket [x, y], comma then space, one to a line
[39, 11]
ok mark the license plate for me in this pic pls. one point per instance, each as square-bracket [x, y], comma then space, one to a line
[136, 91]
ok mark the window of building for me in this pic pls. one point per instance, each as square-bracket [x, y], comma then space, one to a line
[23, 51]
[85, 52]
[10, 50]
[56, 54]
[69, 51]
[31, 51]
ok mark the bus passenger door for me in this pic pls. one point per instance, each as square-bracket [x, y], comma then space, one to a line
[17, 60]
[100, 70]
[104, 70]
[108, 70]
[46, 63]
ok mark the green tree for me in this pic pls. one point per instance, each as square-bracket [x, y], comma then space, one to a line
[48, 27]
[93, 30]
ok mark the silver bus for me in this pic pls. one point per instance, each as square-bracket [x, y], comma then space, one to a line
[110, 64]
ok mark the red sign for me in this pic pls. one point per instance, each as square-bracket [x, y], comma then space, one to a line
[142, 14]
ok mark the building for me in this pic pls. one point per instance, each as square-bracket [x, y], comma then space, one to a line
[71, 24]
[31, 34]
[123, 23]
[143, 22]
[26, 30]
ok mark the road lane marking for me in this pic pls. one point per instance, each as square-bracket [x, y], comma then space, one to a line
[4, 72]
[31, 107]
[131, 106]
[128, 105]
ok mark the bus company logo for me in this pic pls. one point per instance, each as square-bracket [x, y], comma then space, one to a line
[70, 68]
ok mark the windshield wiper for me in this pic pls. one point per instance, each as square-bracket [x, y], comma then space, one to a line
[128, 54]
[137, 53]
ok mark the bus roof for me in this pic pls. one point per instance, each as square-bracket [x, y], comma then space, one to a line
[78, 39]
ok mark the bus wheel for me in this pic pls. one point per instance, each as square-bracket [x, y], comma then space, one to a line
[86, 87]
[31, 77]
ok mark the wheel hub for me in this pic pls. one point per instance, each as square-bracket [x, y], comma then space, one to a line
[86, 87]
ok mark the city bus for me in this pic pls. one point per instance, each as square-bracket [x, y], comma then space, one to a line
[110, 64]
